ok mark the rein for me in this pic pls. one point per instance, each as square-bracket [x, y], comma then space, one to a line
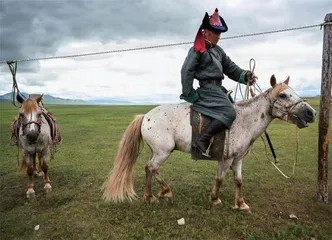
[32, 122]
[296, 157]
[27, 124]
[286, 112]
[281, 108]
[15, 91]
[284, 109]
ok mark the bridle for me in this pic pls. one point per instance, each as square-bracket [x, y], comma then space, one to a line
[31, 122]
[285, 110]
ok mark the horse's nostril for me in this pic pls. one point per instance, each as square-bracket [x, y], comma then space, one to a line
[310, 113]
[32, 136]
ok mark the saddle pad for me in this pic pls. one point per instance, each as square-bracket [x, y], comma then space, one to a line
[198, 122]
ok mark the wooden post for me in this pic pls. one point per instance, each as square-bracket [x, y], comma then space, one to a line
[325, 101]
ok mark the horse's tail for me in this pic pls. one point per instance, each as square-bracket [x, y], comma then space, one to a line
[119, 184]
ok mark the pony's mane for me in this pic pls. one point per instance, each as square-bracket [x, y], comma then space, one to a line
[250, 100]
[29, 106]
[272, 91]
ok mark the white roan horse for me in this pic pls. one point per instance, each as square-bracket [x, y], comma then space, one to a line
[167, 127]
[34, 140]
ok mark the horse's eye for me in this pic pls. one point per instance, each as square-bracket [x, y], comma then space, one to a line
[282, 95]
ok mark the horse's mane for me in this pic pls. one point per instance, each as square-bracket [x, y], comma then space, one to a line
[29, 106]
[245, 102]
[272, 91]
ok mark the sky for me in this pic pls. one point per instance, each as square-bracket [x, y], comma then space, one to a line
[35, 29]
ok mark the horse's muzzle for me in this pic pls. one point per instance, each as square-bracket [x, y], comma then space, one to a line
[303, 114]
[32, 136]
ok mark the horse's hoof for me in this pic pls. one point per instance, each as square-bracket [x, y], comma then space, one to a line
[31, 193]
[217, 202]
[151, 199]
[38, 174]
[246, 211]
[167, 199]
[154, 200]
[48, 188]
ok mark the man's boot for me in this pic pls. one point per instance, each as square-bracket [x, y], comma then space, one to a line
[203, 142]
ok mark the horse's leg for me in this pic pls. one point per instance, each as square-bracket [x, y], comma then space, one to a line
[223, 167]
[148, 196]
[37, 170]
[40, 172]
[151, 169]
[239, 201]
[43, 159]
[28, 163]
[165, 190]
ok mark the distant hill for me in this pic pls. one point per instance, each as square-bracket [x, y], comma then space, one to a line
[49, 99]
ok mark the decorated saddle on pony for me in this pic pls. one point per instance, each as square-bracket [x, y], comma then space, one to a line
[198, 123]
[50, 118]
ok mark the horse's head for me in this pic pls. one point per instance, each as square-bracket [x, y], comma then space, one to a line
[30, 116]
[288, 106]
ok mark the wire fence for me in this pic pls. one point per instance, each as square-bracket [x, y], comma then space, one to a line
[160, 46]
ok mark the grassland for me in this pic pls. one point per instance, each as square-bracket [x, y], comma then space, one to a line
[75, 209]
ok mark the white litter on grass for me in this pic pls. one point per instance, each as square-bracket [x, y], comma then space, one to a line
[37, 227]
[292, 216]
[181, 221]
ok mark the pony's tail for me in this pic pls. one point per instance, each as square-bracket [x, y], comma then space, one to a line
[119, 184]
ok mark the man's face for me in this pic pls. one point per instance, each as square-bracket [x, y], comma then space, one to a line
[211, 36]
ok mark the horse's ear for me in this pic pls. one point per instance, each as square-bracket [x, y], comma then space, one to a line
[273, 80]
[19, 99]
[286, 81]
[39, 98]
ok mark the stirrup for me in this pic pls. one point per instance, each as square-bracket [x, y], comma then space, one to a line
[204, 153]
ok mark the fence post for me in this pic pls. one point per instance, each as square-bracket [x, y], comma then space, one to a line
[325, 101]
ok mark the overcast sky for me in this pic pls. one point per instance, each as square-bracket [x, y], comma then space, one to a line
[36, 28]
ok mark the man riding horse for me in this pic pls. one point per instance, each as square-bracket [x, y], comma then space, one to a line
[207, 62]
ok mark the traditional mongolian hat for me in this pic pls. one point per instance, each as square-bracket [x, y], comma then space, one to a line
[213, 23]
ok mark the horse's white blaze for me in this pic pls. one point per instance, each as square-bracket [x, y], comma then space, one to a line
[32, 126]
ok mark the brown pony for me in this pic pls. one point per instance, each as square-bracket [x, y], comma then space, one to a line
[34, 140]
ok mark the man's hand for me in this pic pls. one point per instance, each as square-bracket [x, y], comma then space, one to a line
[251, 78]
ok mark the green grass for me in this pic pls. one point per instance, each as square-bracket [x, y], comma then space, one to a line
[75, 209]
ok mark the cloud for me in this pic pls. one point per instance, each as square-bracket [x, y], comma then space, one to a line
[54, 28]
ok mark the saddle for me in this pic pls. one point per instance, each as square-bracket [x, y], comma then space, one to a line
[198, 122]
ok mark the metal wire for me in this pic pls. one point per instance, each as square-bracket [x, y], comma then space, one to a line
[164, 45]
